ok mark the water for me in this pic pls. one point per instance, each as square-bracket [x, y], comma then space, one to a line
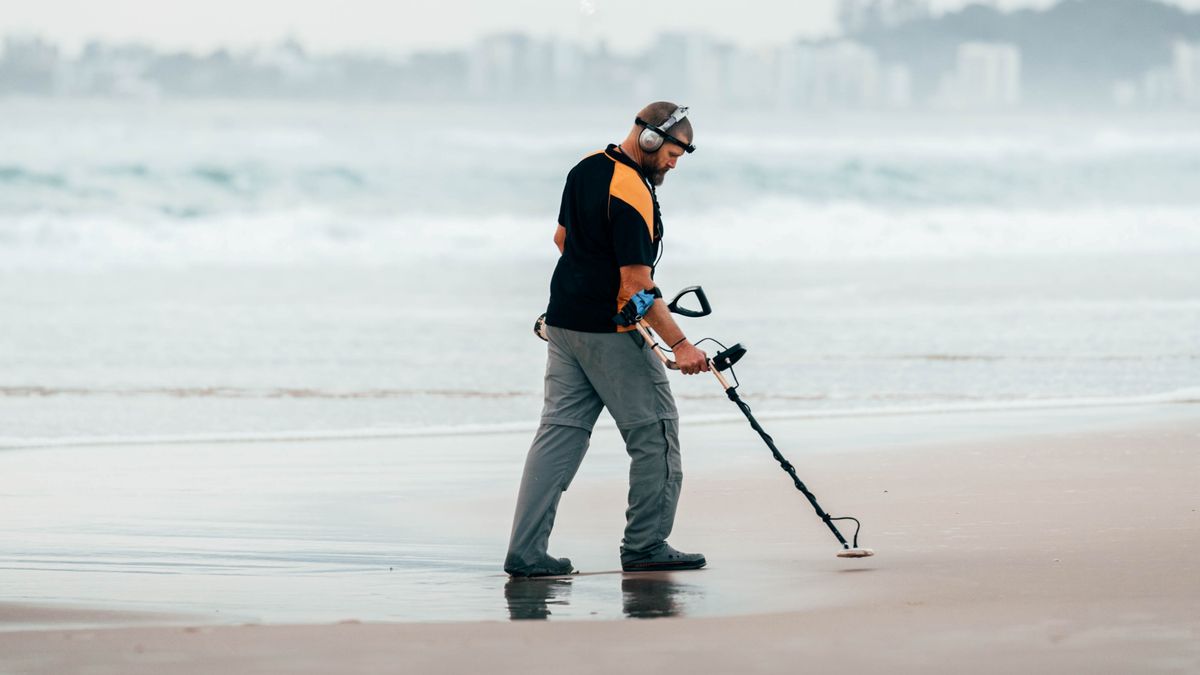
[232, 270]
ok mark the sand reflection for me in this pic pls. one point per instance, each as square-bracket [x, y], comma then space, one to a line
[645, 597]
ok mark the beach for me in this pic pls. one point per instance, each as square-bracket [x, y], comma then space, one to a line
[267, 384]
[1022, 540]
[272, 285]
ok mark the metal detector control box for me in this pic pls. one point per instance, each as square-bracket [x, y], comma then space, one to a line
[725, 359]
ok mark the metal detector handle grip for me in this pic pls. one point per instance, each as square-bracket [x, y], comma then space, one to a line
[644, 329]
[705, 308]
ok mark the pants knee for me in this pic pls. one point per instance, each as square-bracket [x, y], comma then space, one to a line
[558, 450]
[656, 444]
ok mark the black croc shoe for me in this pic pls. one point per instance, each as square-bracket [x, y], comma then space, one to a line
[548, 567]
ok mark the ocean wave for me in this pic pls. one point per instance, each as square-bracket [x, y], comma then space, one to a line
[1189, 396]
[19, 176]
[786, 229]
[73, 170]
[778, 229]
[253, 183]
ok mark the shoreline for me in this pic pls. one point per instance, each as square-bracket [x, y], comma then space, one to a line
[1179, 397]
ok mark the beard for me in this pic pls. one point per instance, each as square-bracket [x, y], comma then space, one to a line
[656, 177]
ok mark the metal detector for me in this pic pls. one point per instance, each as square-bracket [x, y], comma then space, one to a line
[718, 364]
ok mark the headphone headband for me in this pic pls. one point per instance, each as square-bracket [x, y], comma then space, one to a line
[676, 117]
[660, 130]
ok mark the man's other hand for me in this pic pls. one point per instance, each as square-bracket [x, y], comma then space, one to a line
[690, 359]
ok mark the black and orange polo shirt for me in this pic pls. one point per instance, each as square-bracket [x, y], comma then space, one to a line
[612, 220]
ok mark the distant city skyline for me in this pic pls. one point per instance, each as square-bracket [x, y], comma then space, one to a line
[1161, 71]
[359, 25]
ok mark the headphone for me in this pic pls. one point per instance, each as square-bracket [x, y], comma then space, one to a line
[653, 136]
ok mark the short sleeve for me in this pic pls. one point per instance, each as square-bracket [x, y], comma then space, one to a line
[632, 242]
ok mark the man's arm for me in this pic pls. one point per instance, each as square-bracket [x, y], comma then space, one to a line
[560, 238]
[691, 360]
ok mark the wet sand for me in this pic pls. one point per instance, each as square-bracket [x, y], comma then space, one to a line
[1068, 544]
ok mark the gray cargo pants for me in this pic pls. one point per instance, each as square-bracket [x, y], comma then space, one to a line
[586, 372]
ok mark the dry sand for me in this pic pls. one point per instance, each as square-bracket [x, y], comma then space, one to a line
[1070, 552]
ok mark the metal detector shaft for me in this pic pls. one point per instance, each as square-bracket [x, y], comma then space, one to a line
[786, 465]
[731, 392]
[644, 329]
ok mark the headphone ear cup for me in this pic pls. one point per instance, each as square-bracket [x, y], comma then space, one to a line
[650, 140]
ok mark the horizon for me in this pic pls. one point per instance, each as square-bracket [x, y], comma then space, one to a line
[451, 26]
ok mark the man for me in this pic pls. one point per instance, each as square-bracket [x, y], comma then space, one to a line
[609, 231]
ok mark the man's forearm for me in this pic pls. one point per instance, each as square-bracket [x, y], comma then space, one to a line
[660, 319]
[635, 278]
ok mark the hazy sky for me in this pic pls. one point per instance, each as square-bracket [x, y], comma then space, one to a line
[403, 25]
